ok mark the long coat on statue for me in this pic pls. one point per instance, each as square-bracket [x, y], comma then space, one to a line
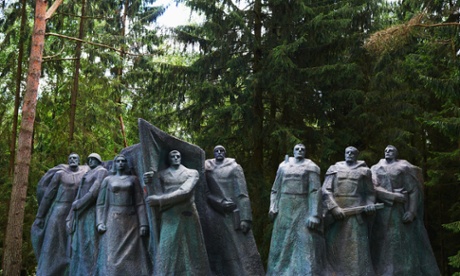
[296, 249]
[400, 248]
[233, 252]
[347, 240]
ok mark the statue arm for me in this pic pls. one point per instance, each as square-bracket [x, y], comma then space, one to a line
[183, 193]
[387, 197]
[215, 196]
[412, 187]
[101, 206]
[140, 203]
[328, 196]
[215, 201]
[49, 196]
[141, 209]
[369, 190]
[243, 201]
[369, 193]
[380, 175]
[96, 187]
[90, 197]
[328, 191]
[314, 193]
[274, 196]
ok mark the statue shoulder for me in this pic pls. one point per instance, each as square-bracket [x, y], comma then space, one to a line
[361, 164]
[58, 175]
[109, 177]
[331, 170]
[381, 163]
[190, 172]
[100, 168]
[209, 164]
[407, 164]
[311, 166]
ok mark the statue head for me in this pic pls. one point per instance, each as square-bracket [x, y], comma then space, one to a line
[174, 158]
[351, 155]
[73, 160]
[219, 153]
[120, 164]
[299, 151]
[391, 153]
[94, 160]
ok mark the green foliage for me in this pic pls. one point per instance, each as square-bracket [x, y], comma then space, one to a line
[416, 75]
[257, 77]
[454, 260]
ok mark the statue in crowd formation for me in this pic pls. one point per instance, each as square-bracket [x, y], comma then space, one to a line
[348, 187]
[297, 245]
[399, 242]
[360, 221]
[235, 248]
[49, 235]
[181, 249]
[82, 219]
[121, 219]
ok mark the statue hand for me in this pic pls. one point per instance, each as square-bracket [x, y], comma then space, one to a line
[369, 210]
[228, 205]
[313, 222]
[101, 228]
[272, 214]
[338, 213]
[399, 198]
[76, 205]
[144, 231]
[245, 226]
[69, 227]
[408, 217]
[153, 200]
[39, 222]
[148, 177]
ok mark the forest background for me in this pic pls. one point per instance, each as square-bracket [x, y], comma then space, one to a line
[256, 76]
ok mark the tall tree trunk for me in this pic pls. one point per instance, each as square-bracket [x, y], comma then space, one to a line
[17, 96]
[258, 110]
[257, 134]
[74, 93]
[120, 69]
[12, 254]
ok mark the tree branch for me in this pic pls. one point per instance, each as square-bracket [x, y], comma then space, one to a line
[436, 25]
[85, 17]
[52, 9]
[121, 51]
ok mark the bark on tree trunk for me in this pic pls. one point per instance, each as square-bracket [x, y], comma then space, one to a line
[258, 109]
[12, 254]
[74, 94]
[120, 70]
[17, 97]
[258, 113]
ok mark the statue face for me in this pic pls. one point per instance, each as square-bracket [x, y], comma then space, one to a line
[351, 155]
[391, 153]
[120, 163]
[74, 160]
[219, 153]
[93, 162]
[175, 158]
[299, 151]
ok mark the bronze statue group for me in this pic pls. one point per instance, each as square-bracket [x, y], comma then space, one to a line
[360, 221]
[100, 219]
